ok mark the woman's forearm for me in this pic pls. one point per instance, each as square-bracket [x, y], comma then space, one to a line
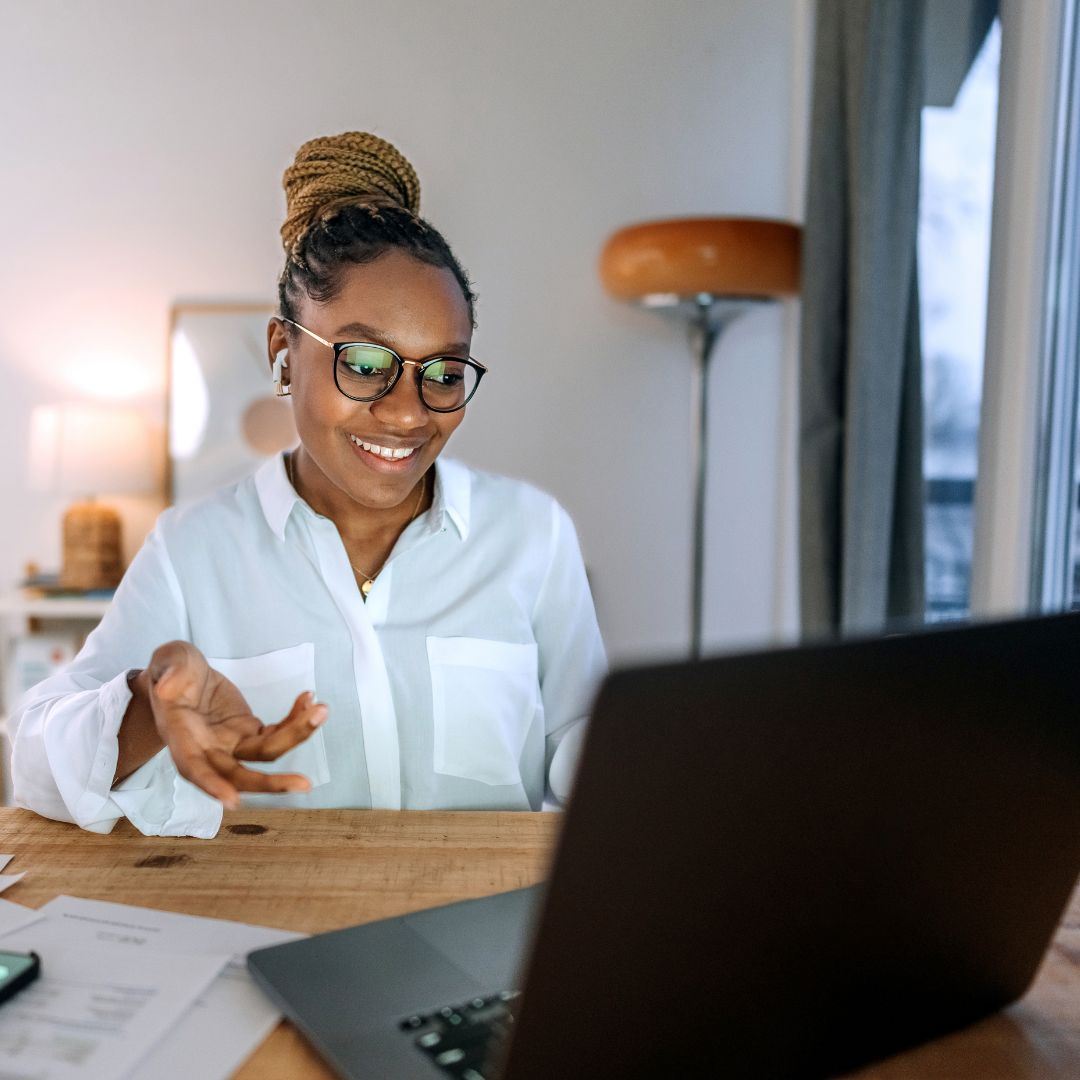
[138, 736]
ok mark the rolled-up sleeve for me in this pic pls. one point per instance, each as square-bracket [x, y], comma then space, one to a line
[571, 654]
[64, 732]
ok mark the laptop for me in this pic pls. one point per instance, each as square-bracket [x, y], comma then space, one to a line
[786, 863]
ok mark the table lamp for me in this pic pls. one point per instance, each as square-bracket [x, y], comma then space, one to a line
[706, 272]
[84, 451]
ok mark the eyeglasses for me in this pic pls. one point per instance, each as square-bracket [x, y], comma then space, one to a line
[364, 371]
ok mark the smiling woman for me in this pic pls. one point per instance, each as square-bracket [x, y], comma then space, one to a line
[441, 614]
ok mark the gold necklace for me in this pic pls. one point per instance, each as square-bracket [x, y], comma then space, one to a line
[368, 580]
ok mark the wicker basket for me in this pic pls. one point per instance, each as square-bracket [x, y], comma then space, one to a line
[92, 550]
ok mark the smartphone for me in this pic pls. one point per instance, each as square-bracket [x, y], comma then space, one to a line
[16, 971]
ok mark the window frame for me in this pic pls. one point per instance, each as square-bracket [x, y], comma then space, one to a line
[1056, 489]
[1007, 567]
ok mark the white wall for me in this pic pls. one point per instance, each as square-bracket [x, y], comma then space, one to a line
[142, 151]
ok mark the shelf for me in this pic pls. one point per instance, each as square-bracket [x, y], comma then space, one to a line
[21, 605]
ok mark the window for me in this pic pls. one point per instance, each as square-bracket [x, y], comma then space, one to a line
[956, 193]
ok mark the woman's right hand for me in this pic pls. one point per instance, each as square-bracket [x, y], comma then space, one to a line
[210, 730]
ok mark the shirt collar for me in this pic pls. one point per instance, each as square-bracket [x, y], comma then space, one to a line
[451, 499]
[276, 494]
[453, 487]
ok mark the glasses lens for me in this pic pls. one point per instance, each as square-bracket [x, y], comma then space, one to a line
[447, 384]
[365, 371]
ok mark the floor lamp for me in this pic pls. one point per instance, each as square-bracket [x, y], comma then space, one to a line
[705, 272]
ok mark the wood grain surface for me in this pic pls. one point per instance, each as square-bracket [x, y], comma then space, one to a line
[1036, 1039]
[324, 869]
[307, 870]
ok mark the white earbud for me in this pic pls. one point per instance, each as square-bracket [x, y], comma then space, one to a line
[281, 360]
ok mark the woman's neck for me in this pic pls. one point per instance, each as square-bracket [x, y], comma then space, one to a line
[369, 533]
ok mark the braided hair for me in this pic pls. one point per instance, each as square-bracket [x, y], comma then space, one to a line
[351, 198]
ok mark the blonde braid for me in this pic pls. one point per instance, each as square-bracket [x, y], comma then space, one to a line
[354, 168]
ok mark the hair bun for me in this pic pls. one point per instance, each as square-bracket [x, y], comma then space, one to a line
[333, 171]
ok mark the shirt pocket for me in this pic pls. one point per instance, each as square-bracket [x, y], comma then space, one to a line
[270, 683]
[485, 695]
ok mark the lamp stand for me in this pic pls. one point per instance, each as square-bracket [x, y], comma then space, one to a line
[707, 271]
[708, 317]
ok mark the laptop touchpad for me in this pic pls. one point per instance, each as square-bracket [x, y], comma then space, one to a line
[484, 938]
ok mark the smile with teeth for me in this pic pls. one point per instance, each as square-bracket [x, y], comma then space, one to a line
[386, 452]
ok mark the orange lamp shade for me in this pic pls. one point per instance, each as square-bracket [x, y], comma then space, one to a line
[688, 256]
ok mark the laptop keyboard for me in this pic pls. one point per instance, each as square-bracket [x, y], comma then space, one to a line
[461, 1039]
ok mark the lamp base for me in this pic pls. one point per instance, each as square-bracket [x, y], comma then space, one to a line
[92, 550]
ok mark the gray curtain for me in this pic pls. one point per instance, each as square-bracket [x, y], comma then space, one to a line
[860, 449]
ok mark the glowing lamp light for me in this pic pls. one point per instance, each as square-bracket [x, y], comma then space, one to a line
[84, 450]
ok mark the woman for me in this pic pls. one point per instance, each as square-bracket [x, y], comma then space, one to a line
[441, 614]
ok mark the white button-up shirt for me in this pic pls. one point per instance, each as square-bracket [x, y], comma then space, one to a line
[462, 683]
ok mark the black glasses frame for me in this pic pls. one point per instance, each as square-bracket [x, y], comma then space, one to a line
[421, 365]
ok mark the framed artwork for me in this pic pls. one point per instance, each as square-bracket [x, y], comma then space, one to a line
[223, 417]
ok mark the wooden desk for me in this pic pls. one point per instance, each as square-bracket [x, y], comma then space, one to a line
[320, 870]
[299, 870]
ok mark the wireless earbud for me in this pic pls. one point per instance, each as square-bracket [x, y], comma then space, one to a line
[281, 360]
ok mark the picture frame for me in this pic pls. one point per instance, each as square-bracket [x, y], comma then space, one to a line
[224, 419]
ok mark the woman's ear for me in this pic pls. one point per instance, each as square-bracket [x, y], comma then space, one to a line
[278, 355]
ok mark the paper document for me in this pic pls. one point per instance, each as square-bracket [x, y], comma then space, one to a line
[216, 1035]
[15, 916]
[7, 880]
[226, 1023]
[124, 924]
[94, 1012]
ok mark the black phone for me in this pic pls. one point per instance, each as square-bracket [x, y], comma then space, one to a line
[17, 969]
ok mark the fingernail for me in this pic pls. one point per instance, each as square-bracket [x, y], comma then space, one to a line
[318, 718]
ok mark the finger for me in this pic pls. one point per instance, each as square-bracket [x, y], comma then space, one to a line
[195, 765]
[305, 707]
[169, 659]
[167, 683]
[164, 660]
[245, 779]
[275, 739]
[176, 678]
[181, 724]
